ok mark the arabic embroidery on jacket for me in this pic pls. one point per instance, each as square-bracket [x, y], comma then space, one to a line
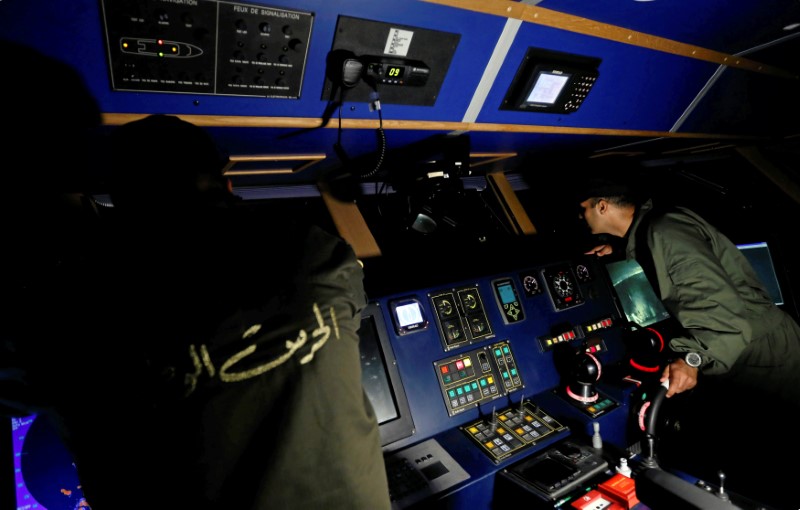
[201, 358]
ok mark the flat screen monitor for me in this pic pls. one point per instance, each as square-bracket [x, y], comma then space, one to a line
[381, 379]
[44, 474]
[760, 258]
[547, 87]
[635, 295]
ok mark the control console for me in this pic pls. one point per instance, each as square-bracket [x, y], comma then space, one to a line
[557, 472]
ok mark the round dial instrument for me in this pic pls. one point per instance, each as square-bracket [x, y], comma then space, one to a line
[562, 284]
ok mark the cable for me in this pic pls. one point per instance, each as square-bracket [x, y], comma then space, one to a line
[379, 133]
[381, 136]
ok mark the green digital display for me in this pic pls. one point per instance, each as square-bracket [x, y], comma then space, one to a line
[394, 71]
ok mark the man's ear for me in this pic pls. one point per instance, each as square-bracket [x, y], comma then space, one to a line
[602, 206]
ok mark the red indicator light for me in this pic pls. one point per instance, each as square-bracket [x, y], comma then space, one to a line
[160, 42]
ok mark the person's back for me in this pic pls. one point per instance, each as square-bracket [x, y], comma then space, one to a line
[230, 349]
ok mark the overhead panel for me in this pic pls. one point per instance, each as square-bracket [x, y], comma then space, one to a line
[206, 47]
[406, 65]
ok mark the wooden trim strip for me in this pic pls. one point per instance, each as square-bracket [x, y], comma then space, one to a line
[305, 160]
[512, 207]
[351, 225]
[585, 26]
[113, 119]
[491, 157]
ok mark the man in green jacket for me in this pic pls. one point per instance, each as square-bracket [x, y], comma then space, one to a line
[738, 348]
[705, 282]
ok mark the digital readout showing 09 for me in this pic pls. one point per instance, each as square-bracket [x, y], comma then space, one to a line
[394, 71]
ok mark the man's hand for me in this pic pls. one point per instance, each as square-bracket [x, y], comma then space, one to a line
[681, 377]
[603, 249]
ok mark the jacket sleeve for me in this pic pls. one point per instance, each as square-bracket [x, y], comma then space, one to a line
[697, 291]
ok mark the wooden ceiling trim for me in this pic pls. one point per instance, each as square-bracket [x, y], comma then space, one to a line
[302, 161]
[585, 26]
[113, 119]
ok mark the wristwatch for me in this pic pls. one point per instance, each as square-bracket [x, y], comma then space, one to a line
[693, 359]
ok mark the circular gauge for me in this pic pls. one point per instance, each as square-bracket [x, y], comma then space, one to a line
[582, 272]
[531, 285]
[470, 301]
[562, 284]
[445, 307]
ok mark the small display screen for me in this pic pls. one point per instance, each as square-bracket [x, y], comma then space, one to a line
[760, 258]
[636, 296]
[381, 379]
[394, 71]
[374, 376]
[506, 293]
[547, 87]
[408, 314]
[548, 472]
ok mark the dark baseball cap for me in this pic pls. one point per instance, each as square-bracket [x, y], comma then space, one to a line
[602, 187]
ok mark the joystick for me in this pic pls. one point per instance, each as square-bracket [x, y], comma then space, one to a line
[645, 347]
[585, 373]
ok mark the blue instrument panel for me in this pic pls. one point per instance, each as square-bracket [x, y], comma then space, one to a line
[475, 357]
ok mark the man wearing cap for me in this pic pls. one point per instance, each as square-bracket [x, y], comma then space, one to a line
[746, 349]
[708, 286]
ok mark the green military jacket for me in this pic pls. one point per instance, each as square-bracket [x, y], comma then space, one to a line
[709, 287]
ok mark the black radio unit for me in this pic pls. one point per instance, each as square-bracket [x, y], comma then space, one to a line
[396, 71]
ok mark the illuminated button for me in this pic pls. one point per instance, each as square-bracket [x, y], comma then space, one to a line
[459, 364]
[473, 430]
[467, 362]
[505, 349]
[444, 369]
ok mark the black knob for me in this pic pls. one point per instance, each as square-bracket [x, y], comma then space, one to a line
[296, 44]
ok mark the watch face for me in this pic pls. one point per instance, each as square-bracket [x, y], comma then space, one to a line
[693, 359]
